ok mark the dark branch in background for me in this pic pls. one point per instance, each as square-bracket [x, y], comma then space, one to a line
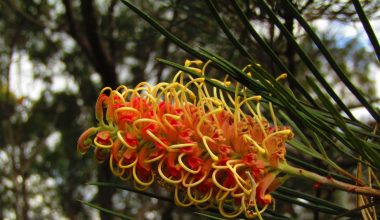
[110, 25]
[100, 55]
[290, 52]
[90, 42]
[166, 44]
[74, 31]
[164, 53]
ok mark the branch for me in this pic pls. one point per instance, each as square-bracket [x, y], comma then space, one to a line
[74, 31]
[100, 57]
[165, 44]
[111, 25]
[364, 190]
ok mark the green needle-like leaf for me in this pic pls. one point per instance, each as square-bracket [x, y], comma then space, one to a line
[306, 150]
[227, 31]
[124, 187]
[310, 198]
[331, 61]
[270, 52]
[111, 212]
[358, 145]
[367, 27]
[295, 200]
[209, 216]
[163, 30]
[305, 58]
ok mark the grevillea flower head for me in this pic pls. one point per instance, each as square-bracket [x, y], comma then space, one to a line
[213, 148]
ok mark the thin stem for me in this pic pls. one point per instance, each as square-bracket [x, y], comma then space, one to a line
[286, 168]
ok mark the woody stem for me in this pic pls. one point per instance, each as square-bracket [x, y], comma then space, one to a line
[298, 172]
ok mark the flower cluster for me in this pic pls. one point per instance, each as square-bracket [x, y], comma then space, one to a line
[212, 150]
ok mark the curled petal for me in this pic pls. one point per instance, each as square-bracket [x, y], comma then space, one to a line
[261, 192]
[84, 141]
[103, 139]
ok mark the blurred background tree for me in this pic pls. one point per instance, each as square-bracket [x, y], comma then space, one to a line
[56, 55]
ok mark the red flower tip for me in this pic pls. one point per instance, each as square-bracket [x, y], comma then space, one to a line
[225, 150]
[194, 162]
[84, 141]
[104, 137]
[130, 139]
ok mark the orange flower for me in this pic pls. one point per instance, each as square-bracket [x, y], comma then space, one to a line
[214, 150]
